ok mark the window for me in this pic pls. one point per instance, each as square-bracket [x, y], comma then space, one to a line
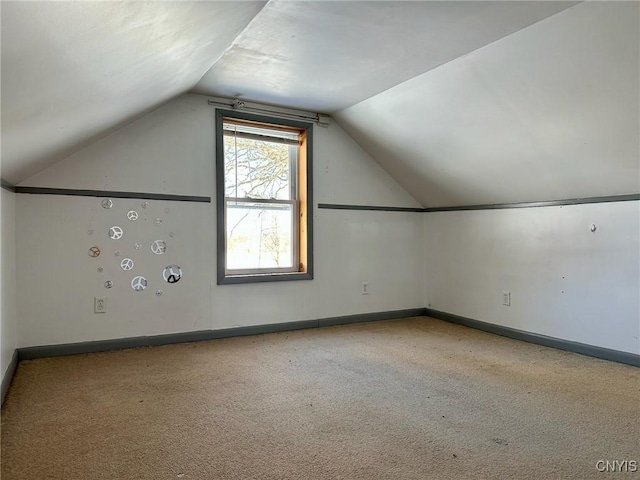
[264, 198]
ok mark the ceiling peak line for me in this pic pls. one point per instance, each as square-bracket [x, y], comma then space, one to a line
[231, 44]
[465, 55]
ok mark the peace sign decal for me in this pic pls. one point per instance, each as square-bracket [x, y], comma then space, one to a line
[158, 247]
[115, 233]
[172, 274]
[126, 264]
[94, 252]
[139, 283]
[132, 215]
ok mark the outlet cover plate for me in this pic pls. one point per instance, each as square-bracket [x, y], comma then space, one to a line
[506, 298]
[100, 305]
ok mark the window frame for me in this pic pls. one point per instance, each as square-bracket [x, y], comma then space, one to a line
[304, 207]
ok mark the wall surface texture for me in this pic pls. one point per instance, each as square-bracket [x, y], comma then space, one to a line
[565, 281]
[171, 151]
[8, 333]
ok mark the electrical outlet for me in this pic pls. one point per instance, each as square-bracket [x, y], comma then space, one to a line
[100, 305]
[506, 298]
[365, 288]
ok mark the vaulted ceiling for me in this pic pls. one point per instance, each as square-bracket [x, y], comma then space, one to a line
[461, 102]
[327, 56]
[73, 71]
[550, 112]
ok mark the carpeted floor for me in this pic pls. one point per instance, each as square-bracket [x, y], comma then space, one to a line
[407, 399]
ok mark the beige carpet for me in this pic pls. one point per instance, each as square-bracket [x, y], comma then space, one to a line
[406, 399]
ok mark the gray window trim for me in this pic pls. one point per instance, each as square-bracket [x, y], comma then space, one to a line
[223, 277]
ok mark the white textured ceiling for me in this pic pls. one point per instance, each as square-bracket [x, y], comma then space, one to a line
[326, 55]
[71, 71]
[520, 101]
[550, 112]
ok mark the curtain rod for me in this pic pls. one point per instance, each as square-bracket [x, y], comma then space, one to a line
[235, 104]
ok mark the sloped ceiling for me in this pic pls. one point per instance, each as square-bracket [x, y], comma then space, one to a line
[461, 102]
[550, 112]
[326, 56]
[72, 71]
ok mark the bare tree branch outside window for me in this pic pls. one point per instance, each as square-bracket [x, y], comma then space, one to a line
[257, 169]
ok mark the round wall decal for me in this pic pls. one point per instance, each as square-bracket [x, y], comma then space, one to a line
[139, 283]
[172, 273]
[159, 247]
[115, 233]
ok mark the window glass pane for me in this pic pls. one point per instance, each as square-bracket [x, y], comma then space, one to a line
[259, 235]
[257, 169]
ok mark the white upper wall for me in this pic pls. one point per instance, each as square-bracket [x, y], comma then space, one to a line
[144, 156]
[71, 71]
[549, 112]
